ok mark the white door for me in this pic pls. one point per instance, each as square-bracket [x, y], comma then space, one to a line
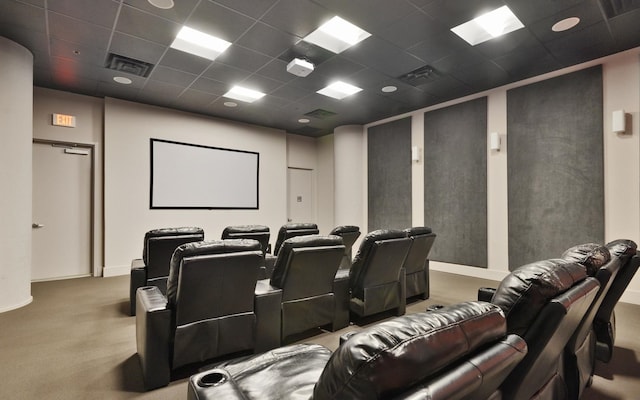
[61, 246]
[300, 203]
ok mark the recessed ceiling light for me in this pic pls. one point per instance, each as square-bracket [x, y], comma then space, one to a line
[488, 26]
[565, 24]
[336, 35]
[304, 120]
[122, 80]
[243, 94]
[339, 90]
[199, 43]
[389, 89]
[230, 104]
[164, 4]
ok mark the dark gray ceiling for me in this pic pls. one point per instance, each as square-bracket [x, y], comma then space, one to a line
[71, 41]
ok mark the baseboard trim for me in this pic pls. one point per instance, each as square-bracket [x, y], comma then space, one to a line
[475, 272]
[17, 305]
[116, 271]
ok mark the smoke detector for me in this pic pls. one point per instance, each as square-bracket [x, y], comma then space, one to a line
[300, 67]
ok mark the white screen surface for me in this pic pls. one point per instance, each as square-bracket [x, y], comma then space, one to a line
[193, 176]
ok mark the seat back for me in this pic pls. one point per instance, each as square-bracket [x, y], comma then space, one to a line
[604, 325]
[210, 291]
[307, 266]
[457, 352]
[422, 239]
[159, 245]
[379, 259]
[544, 303]
[349, 235]
[260, 233]
[288, 231]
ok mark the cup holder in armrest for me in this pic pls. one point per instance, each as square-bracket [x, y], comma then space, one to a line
[434, 307]
[213, 378]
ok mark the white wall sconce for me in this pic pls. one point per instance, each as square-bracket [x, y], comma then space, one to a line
[619, 121]
[415, 154]
[494, 141]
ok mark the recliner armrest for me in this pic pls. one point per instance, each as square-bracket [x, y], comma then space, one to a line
[153, 325]
[486, 294]
[137, 263]
[341, 296]
[138, 279]
[215, 383]
[268, 316]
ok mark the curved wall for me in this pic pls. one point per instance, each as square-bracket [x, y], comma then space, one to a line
[16, 126]
[348, 174]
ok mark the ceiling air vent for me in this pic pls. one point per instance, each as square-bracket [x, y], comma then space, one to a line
[613, 8]
[320, 113]
[128, 65]
[420, 76]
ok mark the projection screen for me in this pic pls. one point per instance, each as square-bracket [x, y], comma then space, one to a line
[187, 175]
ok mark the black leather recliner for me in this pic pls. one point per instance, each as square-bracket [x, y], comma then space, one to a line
[604, 323]
[376, 278]
[260, 233]
[544, 303]
[416, 265]
[213, 307]
[349, 235]
[457, 352]
[311, 295]
[153, 269]
[287, 231]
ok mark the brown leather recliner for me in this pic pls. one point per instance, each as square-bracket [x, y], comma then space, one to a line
[457, 352]
[416, 265]
[214, 306]
[544, 303]
[153, 269]
[311, 295]
[376, 278]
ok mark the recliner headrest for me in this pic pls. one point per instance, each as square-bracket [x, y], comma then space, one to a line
[418, 230]
[622, 247]
[311, 241]
[244, 229]
[374, 236]
[526, 290]
[592, 255]
[160, 232]
[344, 229]
[394, 355]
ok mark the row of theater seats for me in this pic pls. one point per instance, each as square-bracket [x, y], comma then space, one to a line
[536, 336]
[212, 302]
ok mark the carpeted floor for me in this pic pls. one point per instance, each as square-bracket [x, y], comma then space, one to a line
[76, 341]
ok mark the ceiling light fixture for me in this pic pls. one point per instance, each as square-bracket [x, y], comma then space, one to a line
[336, 35]
[163, 4]
[565, 24]
[123, 80]
[339, 90]
[488, 26]
[243, 94]
[199, 43]
[230, 104]
[304, 120]
[300, 67]
[389, 89]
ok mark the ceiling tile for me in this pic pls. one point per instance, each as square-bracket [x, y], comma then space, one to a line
[210, 86]
[146, 26]
[437, 47]
[225, 73]
[261, 84]
[386, 58]
[452, 13]
[180, 60]
[297, 17]
[74, 51]
[529, 11]
[245, 59]
[136, 48]
[411, 30]
[179, 13]
[76, 31]
[252, 8]
[101, 13]
[173, 76]
[276, 69]
[370, 15]
[218, 21]
[25, 15]
[267, 40]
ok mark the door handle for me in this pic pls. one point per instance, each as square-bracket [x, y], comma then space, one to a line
[37, 226]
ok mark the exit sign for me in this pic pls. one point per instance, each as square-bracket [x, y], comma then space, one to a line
[64, 120]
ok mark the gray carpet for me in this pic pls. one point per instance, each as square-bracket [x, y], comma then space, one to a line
[76, 341]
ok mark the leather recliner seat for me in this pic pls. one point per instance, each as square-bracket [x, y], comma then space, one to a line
[457, 352]
[416, 265]
[260, 233]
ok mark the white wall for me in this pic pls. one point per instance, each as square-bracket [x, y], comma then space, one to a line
[325, 189]
[621, 83]
[89, 113]
[16, 121]
[127, 130]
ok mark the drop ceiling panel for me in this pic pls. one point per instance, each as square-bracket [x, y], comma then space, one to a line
[219, 21]
[146, 26]
[100, 13]
[136, 48]
[180, 60]
[267, 40]
[179, 13]
[76, 31]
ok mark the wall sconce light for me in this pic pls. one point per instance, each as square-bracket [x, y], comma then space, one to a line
[415, 153]
[619, 121]
[494, 141]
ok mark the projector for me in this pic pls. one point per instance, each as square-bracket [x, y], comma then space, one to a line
[300, 67]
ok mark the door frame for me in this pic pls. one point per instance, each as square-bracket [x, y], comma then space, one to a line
[92, 189]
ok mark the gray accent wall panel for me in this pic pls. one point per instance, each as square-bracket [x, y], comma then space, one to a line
[555, 166]
[389, 175]
[455, 182]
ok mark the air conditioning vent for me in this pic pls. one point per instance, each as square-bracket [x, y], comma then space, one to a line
[613, 8]
[420, 76]
[320, 113]
[128, 65]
